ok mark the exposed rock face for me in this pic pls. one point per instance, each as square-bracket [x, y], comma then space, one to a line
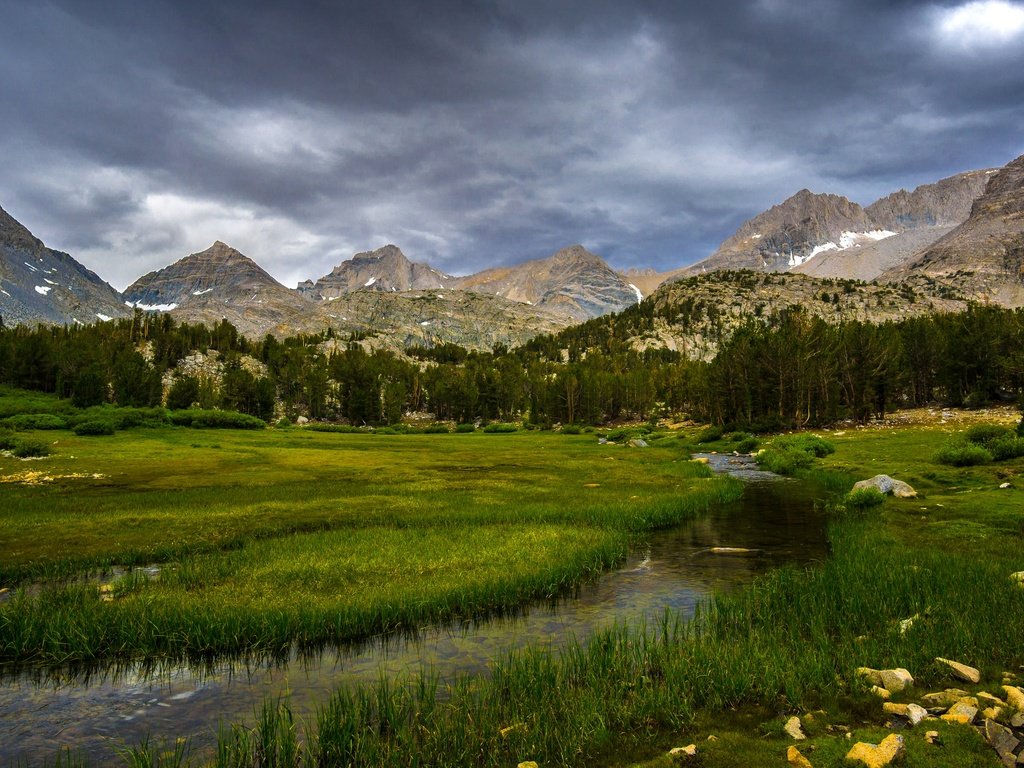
[573, 282]
[786, 235]
[40, 285]
[829, 236]
[220, 283]
[386, 269]
[984, 256]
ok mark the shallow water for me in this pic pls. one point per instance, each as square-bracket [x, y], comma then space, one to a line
[671, 570]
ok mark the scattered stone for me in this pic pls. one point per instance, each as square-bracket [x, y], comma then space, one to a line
[794, 729]
[301, 420]
[637, 442]
[889, 486]
[893, 680]
[795, 759]
[1017, 721]
[881, 692]
[992, 713]
[1014, 697]
[961, 671]
[683, 753]
[944, 699]
[987, 698]
[962, 713]
[877, 755]
[1003, 741]
[912, 713]
[906, 624]
[604, 441]
[1004, 485]
[932, 737]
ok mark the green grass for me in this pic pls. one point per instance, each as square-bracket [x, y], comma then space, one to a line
[296, 535]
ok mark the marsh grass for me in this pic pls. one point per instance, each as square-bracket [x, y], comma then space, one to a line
[294, 536]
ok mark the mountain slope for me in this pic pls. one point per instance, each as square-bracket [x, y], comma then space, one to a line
[572, 282]
[220, 283]
[984, 256]
[386, 269]
[40, 285]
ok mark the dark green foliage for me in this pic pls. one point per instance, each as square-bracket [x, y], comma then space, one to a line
[201, 419]
[863, 498]
[437, 428]
[499, 428]
[747, 445]
[960, 453]
[811, 444]
[1006, 448]
[90, 388]
[790, 453]
[183, 393]
[341, 428]
[465, 428]
[36, 421]
[983, 434]
[571, 429]
[25, 449]
[95, 427]
[710, 434]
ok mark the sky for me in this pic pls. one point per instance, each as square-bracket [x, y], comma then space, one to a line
[476, 134]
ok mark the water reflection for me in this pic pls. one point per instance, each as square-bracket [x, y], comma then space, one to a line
[94, 711]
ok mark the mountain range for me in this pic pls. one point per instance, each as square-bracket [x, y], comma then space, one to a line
[963, 235]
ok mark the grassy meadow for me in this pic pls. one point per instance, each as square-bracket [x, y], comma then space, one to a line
[267, 538]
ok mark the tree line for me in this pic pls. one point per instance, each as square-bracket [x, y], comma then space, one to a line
[787, 370]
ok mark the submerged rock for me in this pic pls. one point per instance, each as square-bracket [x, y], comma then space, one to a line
[889, 486]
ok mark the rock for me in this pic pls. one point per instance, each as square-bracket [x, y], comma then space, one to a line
[528, 764]
[988, 699]
[913, 713]
[889, 486]
[880, 692]
[301, 420]
[1017, 721]
[732, 551]
[1018, 577]
[906, 624]
[794, 729]
[1002, 739]
[946, 698]
[961, 671]
[795, 759]
[962, 713]
[876, 755]
[895, 680]
[712, 738]
[1004, 485]
[992, 713]
[683, 753]
[701, 459]
[602, 441]
[636, 442]
[932, 737]
[1014, 697]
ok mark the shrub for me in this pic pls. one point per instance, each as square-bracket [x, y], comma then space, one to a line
[25, 449]
[342, 428]
[1007, 447]
[202, 419]
[710, 434]
[812, 444]
[785, 460]
[36, 421]
[437, 428]
[571, 429]
[1020, 427]
[983, 434]
[749, 445]
[961, 453]
[863, 498]
[386, 431]
[95, 428]
[499, 428]
[465, 428]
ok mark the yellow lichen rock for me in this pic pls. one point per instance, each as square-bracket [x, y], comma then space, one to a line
[795, 759]
[877, 755]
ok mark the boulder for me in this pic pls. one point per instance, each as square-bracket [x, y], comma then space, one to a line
[1018, 577]
[794, 729]
[301, 420]
[683, 753]
[1002, 740]
[932, 737]
[795, 759]
[877, 755]
[962, 713]
[637, 442]
[989, 700]
[893, 680]
[528, 764]
[881, 692]
[1014, 697]
[889, 486]
[960, 671]
[912, 713]
[946, 698]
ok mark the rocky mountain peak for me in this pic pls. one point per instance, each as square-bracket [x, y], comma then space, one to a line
[15, 234]
[385, 269]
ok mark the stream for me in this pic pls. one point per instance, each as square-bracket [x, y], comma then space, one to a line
[94, 714]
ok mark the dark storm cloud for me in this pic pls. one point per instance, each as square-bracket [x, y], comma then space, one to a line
[475, 133]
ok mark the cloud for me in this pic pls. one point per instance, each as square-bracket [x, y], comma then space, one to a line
[979, 25]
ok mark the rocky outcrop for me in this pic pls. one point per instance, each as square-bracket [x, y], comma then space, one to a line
[573, 283]
[385, 269]
[221, 283]
[984, 256]
[945, 203]
[40, 285]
